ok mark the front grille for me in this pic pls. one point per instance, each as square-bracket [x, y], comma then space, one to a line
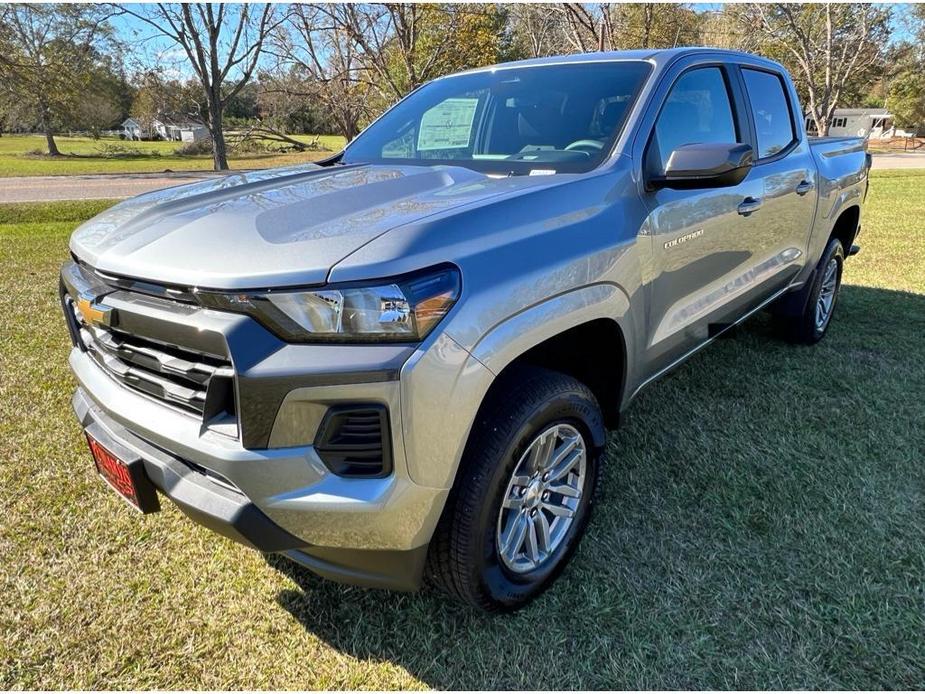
[353, 441]
[192, 382]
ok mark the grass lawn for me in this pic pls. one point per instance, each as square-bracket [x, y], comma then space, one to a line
[111, 155]
[762, 525]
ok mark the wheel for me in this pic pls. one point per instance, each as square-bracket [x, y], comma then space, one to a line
[817, 302]
[524, 492]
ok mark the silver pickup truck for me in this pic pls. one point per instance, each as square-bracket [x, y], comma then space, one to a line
[402, 361]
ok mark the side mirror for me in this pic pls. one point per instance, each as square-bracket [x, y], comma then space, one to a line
[714, 165]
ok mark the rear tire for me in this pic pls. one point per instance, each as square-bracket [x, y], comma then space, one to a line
[514, 517]
[818, 300]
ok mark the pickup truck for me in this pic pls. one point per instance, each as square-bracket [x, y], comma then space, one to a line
[401, 363]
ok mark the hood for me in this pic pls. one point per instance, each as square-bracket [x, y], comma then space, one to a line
[269, 228]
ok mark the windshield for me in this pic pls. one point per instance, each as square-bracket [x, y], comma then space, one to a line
[543, 119]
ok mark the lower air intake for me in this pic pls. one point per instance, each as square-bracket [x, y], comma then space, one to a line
[353, 441]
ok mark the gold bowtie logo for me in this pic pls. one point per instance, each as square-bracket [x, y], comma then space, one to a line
[94, 314]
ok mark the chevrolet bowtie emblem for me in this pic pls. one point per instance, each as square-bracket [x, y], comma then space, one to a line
[94, 313]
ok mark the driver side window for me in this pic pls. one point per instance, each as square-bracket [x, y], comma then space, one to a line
[697, 111]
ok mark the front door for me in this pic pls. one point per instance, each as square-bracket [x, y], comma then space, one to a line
[703, 241]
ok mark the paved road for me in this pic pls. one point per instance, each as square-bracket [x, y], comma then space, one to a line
[91, 186]
[899, 160]
[100, 186]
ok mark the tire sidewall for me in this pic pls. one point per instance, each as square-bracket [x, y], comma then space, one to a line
[834, 250]
[507, 589]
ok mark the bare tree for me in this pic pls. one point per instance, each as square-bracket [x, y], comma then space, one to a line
[223, 44]
[614, 26]
[316, 41]
[47, 54]
[538, 31]
[828, 47]
[390, 41]
[589, 26]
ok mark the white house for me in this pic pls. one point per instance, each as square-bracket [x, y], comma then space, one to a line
[871, 123]
[165, 127]
[194, 132]
[131, 129]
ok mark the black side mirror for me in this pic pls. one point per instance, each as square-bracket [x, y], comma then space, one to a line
[714, 165]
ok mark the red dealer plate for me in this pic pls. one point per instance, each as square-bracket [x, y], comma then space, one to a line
[128, 479]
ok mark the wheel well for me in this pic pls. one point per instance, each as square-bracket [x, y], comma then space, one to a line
[594, 353]
[846, 227]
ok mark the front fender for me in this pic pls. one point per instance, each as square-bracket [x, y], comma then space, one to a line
[523, 331]
[444, 386]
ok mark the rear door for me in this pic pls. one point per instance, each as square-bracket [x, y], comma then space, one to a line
[788, 172]
[702, 241]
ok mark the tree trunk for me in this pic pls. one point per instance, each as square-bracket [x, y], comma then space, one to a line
[49, 132]
[52, 145]
[219, 151]
[349, 128]
[822, 124]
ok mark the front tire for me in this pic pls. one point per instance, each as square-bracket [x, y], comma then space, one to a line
[524, 492]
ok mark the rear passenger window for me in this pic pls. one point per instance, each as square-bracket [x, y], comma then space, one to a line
[771, 111]
[697, 111]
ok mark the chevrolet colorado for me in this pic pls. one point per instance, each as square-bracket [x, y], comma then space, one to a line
[402, 361]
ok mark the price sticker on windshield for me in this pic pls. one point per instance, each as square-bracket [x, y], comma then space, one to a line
[448, 125]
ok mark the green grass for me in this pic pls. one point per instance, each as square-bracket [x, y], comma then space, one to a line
[762, 524]
[111, 155]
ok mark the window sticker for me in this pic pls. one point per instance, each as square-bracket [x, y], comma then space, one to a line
[447, 125]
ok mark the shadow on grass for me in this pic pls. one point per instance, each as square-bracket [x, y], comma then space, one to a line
[762, 525]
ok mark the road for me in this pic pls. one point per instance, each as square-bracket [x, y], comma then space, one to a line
[105, 186]
[899, 160]
[92, 186]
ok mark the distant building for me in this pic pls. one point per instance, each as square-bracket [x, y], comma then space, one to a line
[871, 123]
[194, 133]
[165, 127]
[131, 129]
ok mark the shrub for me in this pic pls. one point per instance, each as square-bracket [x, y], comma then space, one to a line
[191, 148]
[114, 150]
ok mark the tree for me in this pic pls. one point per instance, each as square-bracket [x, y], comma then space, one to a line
[656, 25]
[288, 102]
[832, 50]
[916, 20]
[48, 54]
[536, 31]
[589, 27]
[402, 46]
[906, 99]
[222, 43]
[904, 84]
[358, 59]
[157, 96]
[324, 61]
[609, 27]
[106, 100]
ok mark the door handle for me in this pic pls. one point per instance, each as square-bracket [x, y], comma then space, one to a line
[749, 205]
[804, 187]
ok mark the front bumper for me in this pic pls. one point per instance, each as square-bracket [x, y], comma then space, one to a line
[204, 498]
[215, 503]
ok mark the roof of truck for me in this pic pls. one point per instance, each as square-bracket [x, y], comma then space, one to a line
[660, 56]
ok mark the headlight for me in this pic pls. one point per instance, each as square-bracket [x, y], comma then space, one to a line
[401, 310]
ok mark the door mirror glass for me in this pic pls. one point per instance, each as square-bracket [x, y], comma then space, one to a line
[708, 165]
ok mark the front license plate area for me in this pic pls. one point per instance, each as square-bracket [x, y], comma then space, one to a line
[127, 478]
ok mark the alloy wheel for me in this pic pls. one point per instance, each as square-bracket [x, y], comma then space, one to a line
[827, 293]
[542, 498]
